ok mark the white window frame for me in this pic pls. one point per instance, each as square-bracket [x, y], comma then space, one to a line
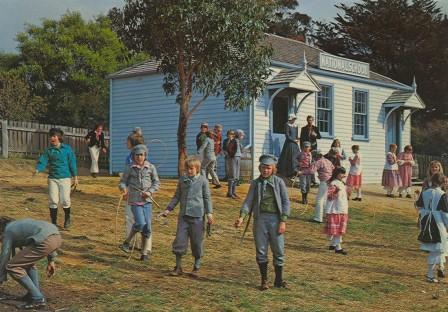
[330, 109]
[364, 136]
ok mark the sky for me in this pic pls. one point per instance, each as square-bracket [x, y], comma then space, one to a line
[14, 14]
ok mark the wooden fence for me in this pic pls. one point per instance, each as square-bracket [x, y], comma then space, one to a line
[423, 163]
[29, 139]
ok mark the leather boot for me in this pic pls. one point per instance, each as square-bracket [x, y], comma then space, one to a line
[229, 188]
[279, 283]
[264, 275]
[304, 198]
[126, 247]
[67, 221]
[54, 215]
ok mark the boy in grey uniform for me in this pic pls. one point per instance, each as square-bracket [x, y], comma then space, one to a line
[268, 201]
[208, 163]
[193, 194]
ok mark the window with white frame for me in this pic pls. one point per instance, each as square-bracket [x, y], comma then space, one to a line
[324, 113]
[360, 114]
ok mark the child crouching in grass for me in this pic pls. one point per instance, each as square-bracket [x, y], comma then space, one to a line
[193, 194]
[268, 201]
[138, 183]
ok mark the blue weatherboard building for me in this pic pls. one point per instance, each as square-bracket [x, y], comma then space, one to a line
[349, 101]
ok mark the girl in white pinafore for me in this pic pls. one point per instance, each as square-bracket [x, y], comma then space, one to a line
[433, 203]
[354, 179]
[337, 210]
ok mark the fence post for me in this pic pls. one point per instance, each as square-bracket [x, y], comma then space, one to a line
[5, 142]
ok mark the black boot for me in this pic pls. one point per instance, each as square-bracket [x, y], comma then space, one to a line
[264, 275]
[54, 215]
[279, 283]
[304, 198]
[67, 221]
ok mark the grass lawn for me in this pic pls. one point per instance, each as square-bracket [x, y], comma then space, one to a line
[384, 270]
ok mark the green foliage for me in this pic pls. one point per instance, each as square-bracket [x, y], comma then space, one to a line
[208, 47]
[66, 62]
[424, 138]
[16, 101]
[399, 38]
[288, 22]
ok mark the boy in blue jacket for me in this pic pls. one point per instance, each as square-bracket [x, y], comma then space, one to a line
[61, 162]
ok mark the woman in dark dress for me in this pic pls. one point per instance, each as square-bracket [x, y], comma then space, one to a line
[288, 158]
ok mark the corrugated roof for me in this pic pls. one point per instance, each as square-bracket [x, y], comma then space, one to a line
[285, 50]
[143, 68]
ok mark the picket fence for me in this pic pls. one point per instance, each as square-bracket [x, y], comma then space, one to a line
[29, 139]
[423, 161]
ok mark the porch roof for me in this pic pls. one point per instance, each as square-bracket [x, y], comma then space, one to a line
[404, 99]
[298, 79]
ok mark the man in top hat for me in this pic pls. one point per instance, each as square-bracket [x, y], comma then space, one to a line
[310, 133]
[267, 200]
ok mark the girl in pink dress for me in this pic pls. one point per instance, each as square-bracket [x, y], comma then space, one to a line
[405, 163]
[354, 179]
[391, 175]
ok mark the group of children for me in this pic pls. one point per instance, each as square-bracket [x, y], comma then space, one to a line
[397, 173]
[210, 146]
[267, 201]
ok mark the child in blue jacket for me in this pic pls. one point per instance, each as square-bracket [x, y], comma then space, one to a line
[61, 162]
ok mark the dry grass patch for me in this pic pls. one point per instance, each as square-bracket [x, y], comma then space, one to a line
[384, 270]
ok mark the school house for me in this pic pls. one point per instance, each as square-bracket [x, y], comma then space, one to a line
[349, 101]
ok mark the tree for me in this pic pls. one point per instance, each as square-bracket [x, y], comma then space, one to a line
[208, 47]
[66, 62]
[399, 38]
[288, 22]
[16, 101]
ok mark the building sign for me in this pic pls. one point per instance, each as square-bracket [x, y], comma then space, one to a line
[343, 65]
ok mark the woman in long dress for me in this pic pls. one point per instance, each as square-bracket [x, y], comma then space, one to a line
[288, 157]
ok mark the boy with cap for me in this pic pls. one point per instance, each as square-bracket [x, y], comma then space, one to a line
[138, 183]
[61, 162]
[305, 170]
[324, 169]
[36, 239]
[267, 199]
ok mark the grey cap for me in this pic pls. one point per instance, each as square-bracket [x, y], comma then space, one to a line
[140, 149]
[306, 144]
[239, 133]
[268, 159]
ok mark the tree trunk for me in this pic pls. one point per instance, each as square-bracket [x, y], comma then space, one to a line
[182, 135]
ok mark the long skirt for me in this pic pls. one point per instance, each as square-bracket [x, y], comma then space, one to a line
[336, 224]
[406, 175]
[391, 179]
[354, 181]
[288, 159]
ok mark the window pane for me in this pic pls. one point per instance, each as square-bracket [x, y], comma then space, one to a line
[324, 109]
[360, 113]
